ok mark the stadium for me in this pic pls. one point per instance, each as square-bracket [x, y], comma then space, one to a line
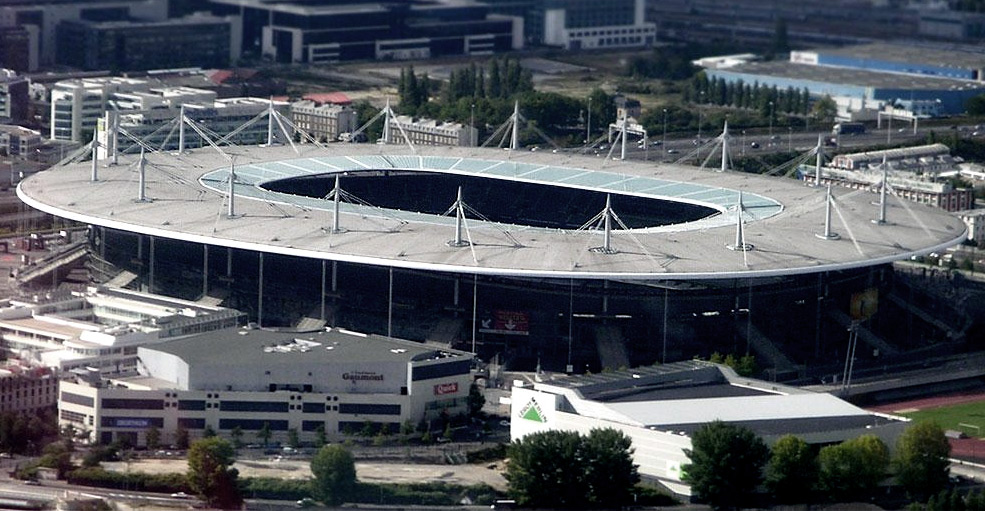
[551, 260]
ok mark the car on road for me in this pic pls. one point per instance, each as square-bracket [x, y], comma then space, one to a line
[672, 151]
[754, 145]
[180, 495]
[305, 502]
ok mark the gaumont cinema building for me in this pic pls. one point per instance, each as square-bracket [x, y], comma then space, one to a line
[243, 378]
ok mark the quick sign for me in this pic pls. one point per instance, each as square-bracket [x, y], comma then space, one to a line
[445, 388]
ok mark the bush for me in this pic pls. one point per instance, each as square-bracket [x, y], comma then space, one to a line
[138, 481]
[493, 453]
[275, 489]
[427, 494]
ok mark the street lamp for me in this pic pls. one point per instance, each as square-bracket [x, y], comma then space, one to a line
[588, 125]
[743, 142]
[664, 141]
[789, 139]
[472, 133]
[699, 116]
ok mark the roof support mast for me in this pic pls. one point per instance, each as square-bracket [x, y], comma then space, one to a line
[459, 206]
[819, 162]
[882, 193]
[515, 138]
[270, 122]
[95, 155]
[231, 208]
[828, 235]
[336, 199]
[725, 147]
[740, 234]
[622, 154]
[142, 176]
[181, 129]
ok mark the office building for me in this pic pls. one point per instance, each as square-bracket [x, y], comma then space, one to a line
[329, 31]
[14, 97]
[41, 18]
[18, 142]
[581, 24]
[241, 379]
[25, 389]
[126, 45]
[19, 48]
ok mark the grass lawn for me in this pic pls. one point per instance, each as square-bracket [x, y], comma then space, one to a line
[950, 417]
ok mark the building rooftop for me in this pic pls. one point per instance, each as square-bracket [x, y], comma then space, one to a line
[241, 345]
[935, 54]
[852, 77]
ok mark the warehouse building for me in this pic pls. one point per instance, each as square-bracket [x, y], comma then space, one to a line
[660, 407]
[336, 381]
[960, 62]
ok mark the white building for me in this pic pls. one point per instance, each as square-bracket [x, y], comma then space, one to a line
[975, 220]
[660, 407]
[585, 24]
[77, 105]
[242, 379]
[100, 328]
[431, 132]
[323, 121]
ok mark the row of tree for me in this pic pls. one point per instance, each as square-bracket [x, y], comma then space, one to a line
[738, 94]
[505, 79]
[729, 462]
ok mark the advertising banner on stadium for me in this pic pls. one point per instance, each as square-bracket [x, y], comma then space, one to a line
[505, 323]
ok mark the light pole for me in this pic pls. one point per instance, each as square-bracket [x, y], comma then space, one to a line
[664, 141]
[789, 139]
[743, 142]
[771, 123]
[588, 125]
[701, 102]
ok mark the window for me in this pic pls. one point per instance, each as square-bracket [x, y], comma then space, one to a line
[253, 406]
[369, 409]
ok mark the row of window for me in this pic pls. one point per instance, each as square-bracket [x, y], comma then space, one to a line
[590, 33]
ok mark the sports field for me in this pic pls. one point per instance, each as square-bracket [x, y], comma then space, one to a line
[958, 412]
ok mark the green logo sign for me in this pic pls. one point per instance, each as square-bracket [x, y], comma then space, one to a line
[532, 412]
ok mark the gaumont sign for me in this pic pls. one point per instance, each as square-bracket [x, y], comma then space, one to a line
[445, 388]
[356, 376]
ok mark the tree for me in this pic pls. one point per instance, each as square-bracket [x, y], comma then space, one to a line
[208, 432]
[921, 461]
[292, 438]
[853, 467]
[265, 433]
[563, 469]
[210, 475]
[545, 470]
[321, 439]
[181, 438]
[825, 109]
[792, 470]
[726, 464]
[610, 474]
[334, 472]
[153, 437]
[237, 435]
[476, 400]
[57, 456]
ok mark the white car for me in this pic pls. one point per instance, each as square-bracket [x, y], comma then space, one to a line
[180, 495]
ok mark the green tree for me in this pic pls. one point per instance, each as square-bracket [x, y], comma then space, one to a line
[209, 473]
[562, 469]
[265, 433]
[153, 437]
[825, 109]
[792, 470]
[321, 439]
[545, 470]
[726, 464]
[476, 400]
[292, 438]
[237, 435]
[208, 432]
[56, 455]
[921, 461]
[852, 468]
[181, 438]
[610, 474]
[334, 472]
